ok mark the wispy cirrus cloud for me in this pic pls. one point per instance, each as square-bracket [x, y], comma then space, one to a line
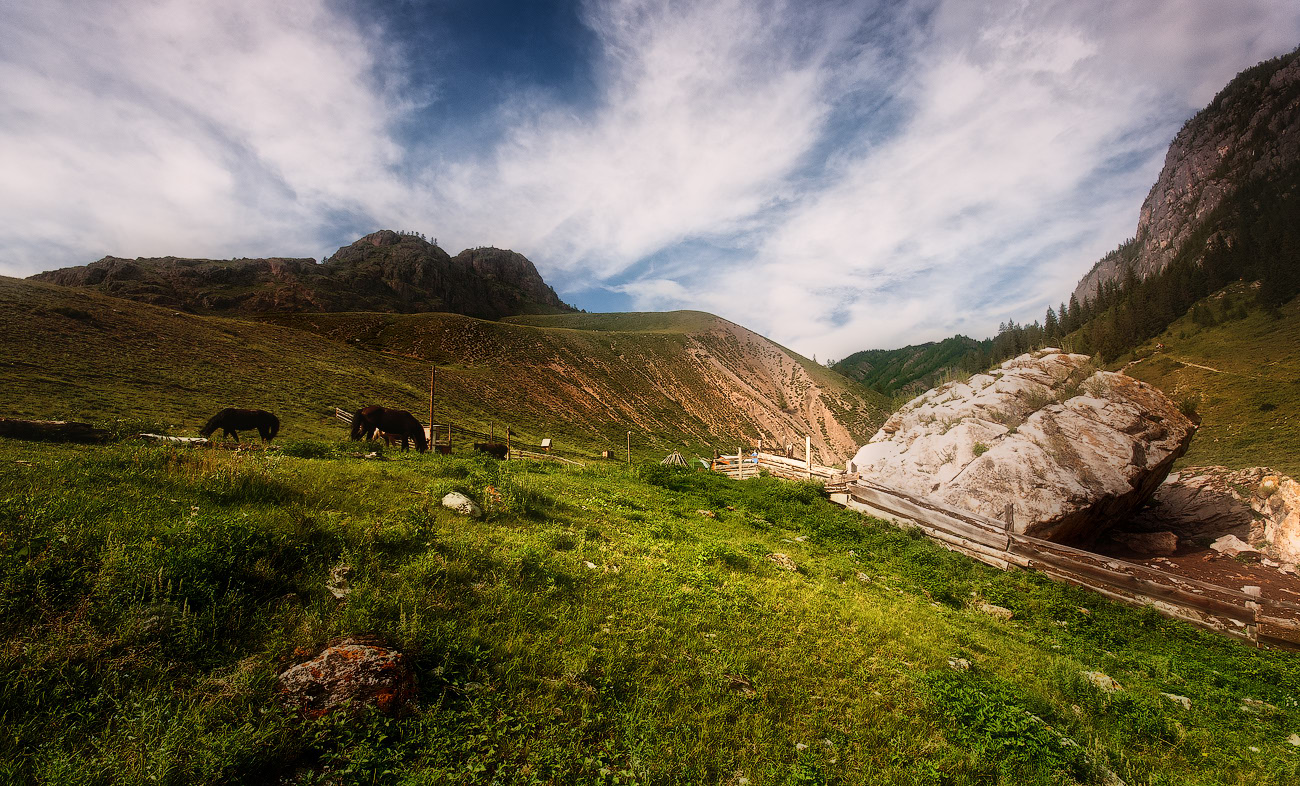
[174, 128]
[836, 175]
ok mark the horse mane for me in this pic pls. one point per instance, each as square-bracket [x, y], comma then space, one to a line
[421, 444]
[275, 425]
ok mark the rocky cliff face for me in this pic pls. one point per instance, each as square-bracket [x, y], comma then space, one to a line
[1250, 132]
[383, 271]
[1072, 449]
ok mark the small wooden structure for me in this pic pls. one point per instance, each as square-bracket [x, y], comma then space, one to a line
[674, 459]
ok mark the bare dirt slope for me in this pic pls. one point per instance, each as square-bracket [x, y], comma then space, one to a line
[681, 376]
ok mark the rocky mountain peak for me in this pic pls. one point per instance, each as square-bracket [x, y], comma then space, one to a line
[1250, 132]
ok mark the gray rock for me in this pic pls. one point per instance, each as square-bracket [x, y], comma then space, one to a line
[1159, 544]
[1232, 546]
[1183, 701]
[461, 504]
[1103, 681]
[350, 674]
[1072, 449]
[338, 585]
[995, 611]
[782, 561]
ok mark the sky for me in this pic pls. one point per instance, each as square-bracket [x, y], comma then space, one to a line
[837, 176]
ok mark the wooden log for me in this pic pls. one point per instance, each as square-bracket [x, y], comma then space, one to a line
[1146, 588]
[53, 431]
[976, 519]
[1037, 547]
[1192, 616]
[910, 510]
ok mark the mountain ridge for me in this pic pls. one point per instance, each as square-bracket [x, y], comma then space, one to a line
[1249, 132]
[383, 271]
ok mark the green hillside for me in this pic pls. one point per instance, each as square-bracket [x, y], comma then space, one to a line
[917, 367]
[596, 627]
[73, 353]
[1239, 364]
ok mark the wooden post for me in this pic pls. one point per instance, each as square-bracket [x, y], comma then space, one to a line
[807, 454]
[433, 376]
[507, 442]
[629, 448]
[740, 464]
[1009, 516]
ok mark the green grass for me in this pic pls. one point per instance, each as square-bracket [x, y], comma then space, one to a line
[1250, 406]
[149, 596]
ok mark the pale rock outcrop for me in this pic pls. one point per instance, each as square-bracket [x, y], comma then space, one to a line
[1071, 448]
[1257, 506]
[462, 504]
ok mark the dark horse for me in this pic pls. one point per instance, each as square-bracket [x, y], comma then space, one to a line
[232, 421]
[397, 422]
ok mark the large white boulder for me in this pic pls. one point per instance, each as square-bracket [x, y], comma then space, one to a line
[1072, 449]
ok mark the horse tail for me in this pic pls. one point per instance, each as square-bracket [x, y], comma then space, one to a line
[212, 425]
[275, 426]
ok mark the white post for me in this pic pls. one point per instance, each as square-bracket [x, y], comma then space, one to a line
[807, 454]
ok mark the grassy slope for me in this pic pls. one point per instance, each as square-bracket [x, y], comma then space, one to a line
[891, 370]
[73, 353]
[672, 376]
[1250, 407]
[149, 597]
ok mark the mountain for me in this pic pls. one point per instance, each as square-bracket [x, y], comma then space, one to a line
[383, 271]
[583, 379]
[1249, 135]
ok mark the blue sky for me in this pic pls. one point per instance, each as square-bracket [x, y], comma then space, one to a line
[836, 175]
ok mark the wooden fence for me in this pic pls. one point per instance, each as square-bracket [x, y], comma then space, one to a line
[1261, 621]
[754, 463]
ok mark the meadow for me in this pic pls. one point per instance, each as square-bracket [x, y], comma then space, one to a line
[1239, 367]
[609, 624]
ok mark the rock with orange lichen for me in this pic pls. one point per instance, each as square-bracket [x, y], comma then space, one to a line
[350, 675]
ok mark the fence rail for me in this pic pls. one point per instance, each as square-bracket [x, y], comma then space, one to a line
[751, 465]
[1259, 620]
[520, 453]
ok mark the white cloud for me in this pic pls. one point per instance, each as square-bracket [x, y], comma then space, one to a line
[1033, 134]
[706, 110]
[184, 128]
[836, 176]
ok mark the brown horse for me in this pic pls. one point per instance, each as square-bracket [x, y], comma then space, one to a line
[397, 422]
[232, 421]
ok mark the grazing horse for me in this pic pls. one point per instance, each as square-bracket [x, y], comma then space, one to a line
[397, 422]
[232, 421]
